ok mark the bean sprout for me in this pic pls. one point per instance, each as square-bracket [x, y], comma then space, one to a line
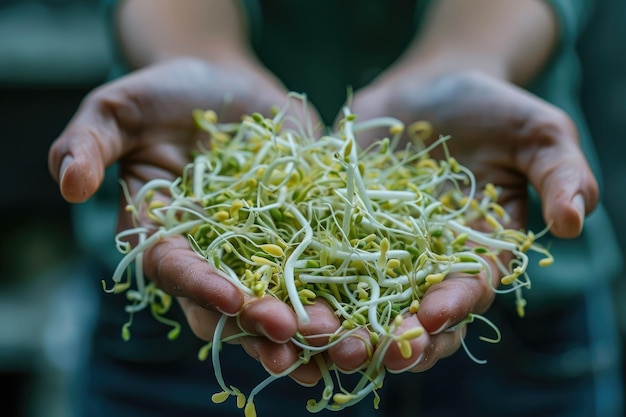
[281, 213]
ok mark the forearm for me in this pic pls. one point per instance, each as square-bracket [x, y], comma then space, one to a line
[152, 31]
[509, 39]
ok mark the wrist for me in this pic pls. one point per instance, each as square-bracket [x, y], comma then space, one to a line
[422, 67]
[507, 40]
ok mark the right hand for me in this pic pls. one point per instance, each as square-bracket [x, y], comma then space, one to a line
[144, 122]
[505, 136]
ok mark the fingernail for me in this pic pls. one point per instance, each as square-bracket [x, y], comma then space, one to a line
[419, 359]
[67, 160]
[579, 204]
[443, 327]
[260, 329]
[222, 311]
[413, 365]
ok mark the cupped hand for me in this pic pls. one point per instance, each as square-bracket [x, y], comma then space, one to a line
[505, 136]
[144, 122]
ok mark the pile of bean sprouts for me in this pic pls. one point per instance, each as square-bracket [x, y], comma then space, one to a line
[280, 212]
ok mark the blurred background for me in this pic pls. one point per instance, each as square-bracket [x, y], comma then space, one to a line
[52, 52]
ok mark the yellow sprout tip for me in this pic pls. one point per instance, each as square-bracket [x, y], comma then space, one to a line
[272, 249]
[250, 410]
[220, 397]
[241, 400]
[405, 348]
[546, 262]
[421, 129]
[434, 278]
[210, 116]
[221, 216]
[259, 260]
[396, 129]
[412, 333]
[508, 279]
[341, 398]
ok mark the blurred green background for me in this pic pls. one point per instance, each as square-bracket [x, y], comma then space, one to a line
[52, 52]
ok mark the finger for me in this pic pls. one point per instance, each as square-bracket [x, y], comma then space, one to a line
[424, 350]
[440, 346]
[277, 358]
[180, 272]
[404, 354]
[269, 317]
[561, 175]
[322, 323]
[569, 193]
[109, 118]
[349, 354]
[203, 322]
[91, 142]
[452, 300]
[353, 351]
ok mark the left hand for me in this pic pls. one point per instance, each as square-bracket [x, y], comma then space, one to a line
[143, 121]
[505, 136]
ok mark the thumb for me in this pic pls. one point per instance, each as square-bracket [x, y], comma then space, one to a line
[562, 177]
[92, 141]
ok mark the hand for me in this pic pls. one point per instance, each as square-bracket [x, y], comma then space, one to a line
[506, 136]
[144, 122]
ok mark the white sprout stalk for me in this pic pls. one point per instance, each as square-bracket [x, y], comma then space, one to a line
[289, 268]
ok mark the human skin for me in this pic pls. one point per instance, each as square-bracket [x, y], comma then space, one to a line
[464, 74]
[198, 57]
